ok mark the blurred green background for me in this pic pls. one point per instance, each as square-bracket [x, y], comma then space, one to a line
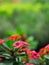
[29, 17]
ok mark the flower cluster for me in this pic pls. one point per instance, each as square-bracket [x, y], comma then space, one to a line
[19, 51]
[44, 50]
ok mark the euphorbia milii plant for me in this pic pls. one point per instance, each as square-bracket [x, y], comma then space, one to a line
[15, 49]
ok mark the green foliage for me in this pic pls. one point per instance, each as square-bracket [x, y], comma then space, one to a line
[32, 43]
[29, 19]
[6, 63]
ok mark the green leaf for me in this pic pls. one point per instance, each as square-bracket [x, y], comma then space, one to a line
[7, 63]
[46, 56]
[4, 44]
[32, 43]
[18, 30]
[9, 43]
[22, 54]
[31, 38]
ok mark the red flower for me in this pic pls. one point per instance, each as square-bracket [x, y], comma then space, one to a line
[25, 43]
[35, 55]
[29, 53]
[47, 48]
[1, 59]
[29, 64]
[42, 51]
[1, 41]
[14, 37]
[20, 44]
[32, 54]
[23, 49]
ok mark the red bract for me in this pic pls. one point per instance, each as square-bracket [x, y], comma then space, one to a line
[1, 41]
[29, 64]
[29, 53]
[20, 44]
[25, 43]
[23, 49]
[1, 59]
[14, 37]
[47, 48]
[42, 51]
[35, 55]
